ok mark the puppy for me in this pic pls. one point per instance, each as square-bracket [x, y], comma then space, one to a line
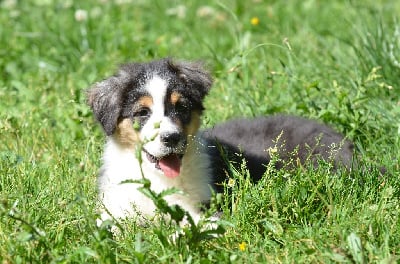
[151, 113]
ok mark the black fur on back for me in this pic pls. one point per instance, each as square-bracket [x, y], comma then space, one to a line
[253, 137]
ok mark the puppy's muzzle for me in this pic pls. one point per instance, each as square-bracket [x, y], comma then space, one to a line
[171, 139]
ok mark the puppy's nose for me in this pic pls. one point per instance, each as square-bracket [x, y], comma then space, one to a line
[170, 139]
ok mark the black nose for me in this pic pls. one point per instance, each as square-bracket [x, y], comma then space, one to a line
[170, 139]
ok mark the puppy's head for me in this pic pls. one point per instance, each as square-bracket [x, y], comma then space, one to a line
[157, 104]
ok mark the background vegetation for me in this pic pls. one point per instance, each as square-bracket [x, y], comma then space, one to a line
[335, 61]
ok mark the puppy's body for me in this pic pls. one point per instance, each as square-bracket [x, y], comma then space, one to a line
[154, 109]
[289, 137]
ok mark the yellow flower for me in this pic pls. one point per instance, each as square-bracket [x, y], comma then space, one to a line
[255, 21]
[272, 150]
[231, 182]
[242, 246]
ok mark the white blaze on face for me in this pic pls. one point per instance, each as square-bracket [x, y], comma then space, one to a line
[158, 122]
[157, 88]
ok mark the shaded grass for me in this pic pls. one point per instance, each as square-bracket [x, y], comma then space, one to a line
[334, 61]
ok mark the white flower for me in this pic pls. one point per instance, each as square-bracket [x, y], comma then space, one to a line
[179, 11]
[122, 2]
[42, 64]
[81, 15]
[205, 11]
[8, 4]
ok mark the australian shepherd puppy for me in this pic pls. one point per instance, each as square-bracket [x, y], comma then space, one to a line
[151, 114]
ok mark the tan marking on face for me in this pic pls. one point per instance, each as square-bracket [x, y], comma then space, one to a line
[194, 125]
[175, 96]
[145, 101]
[125, 134]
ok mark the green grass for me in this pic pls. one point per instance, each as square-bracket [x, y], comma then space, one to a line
[336, 61]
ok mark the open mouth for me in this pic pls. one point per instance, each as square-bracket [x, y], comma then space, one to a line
[169, 164]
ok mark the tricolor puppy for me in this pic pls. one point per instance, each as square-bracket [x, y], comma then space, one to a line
[155, 108]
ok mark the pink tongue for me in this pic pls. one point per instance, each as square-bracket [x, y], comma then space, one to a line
[170, 165]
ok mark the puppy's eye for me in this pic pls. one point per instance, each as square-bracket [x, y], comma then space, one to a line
[143, 112]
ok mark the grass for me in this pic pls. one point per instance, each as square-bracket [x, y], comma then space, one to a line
[336, 61]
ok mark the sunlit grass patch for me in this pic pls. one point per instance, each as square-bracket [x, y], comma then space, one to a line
[333, 61]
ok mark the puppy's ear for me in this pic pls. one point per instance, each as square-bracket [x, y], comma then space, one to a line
[194, 75]
[105, 99]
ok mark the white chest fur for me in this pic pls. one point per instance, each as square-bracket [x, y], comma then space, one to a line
[124, 200]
